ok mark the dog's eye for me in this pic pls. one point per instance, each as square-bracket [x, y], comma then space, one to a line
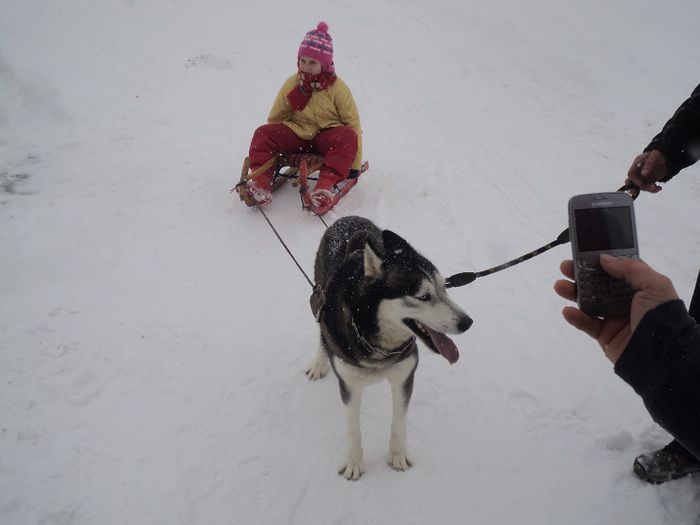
[425, 297]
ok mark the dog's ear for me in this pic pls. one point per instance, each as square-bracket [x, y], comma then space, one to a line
[394, 245]
[358, 241]
[373, 263]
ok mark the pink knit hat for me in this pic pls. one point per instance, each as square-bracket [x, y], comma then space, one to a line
[318, 44]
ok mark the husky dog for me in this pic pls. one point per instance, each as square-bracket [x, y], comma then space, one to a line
[377, 294]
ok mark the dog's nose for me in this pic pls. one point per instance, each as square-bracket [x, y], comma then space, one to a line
[464, 323]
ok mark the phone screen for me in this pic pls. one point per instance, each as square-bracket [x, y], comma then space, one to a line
[599, 229]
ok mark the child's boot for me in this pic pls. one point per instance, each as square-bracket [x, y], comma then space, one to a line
[322, 195]
[258, 190]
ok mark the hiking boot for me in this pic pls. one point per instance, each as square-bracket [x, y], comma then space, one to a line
[671, 462]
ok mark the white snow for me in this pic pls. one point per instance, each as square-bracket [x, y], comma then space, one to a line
[154, 334]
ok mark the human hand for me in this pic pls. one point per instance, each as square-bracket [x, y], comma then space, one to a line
[652, 290]
[646, 170]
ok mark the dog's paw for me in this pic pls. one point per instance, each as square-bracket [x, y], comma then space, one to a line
[352, 469]
[399, 461]
[318, 369]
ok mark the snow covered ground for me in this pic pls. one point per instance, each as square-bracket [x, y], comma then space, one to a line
[154, 334]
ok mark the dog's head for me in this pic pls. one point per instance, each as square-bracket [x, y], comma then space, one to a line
[414, 298]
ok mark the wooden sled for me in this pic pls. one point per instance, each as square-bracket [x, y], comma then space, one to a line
[296, 167]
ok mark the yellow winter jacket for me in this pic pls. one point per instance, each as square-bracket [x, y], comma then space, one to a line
[329, 108]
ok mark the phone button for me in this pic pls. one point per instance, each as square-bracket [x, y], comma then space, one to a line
[588, 264]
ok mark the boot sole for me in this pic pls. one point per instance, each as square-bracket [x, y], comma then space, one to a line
[642, 474]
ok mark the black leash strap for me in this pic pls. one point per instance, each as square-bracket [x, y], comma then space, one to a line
[461, 279]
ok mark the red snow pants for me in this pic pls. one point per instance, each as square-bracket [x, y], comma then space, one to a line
[337, 145]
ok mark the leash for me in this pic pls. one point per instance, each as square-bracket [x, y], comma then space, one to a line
[463, 278]
[454, 281]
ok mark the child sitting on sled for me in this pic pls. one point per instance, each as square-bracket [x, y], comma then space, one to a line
[314, 112]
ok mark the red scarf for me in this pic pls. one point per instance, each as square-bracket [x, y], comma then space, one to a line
[301, 94]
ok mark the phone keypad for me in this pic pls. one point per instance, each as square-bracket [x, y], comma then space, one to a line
[601, 294]
[596, 285]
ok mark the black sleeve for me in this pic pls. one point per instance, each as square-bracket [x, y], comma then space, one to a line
[662, 364]
[679, 140]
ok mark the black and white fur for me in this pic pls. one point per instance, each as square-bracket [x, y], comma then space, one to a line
[380, 294]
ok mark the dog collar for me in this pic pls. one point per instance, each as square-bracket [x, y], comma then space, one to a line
[372, 349]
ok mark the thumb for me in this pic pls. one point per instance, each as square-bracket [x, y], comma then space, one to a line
[651, 288]
[633, 271]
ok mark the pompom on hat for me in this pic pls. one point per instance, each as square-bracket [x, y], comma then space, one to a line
[318, 44]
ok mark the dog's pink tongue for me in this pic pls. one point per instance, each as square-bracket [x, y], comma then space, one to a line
[444, 344]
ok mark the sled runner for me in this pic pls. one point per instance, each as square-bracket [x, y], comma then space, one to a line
[296, 167]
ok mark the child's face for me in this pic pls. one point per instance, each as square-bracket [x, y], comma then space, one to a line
[309, 65]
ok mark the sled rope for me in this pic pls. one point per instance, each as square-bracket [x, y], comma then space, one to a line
[321, 219]
[285, 246]
[318, 298]
[463, 278]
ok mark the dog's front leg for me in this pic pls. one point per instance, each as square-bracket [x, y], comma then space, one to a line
[320, 365]
[401, 395]
[352, 397]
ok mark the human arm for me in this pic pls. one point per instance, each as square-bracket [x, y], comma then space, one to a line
[349, 116]
[679, 140]
[281, 109]
[677, 146]
[656, 350]
[662, 364]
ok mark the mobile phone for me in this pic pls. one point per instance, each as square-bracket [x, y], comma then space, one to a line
[602, 223]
